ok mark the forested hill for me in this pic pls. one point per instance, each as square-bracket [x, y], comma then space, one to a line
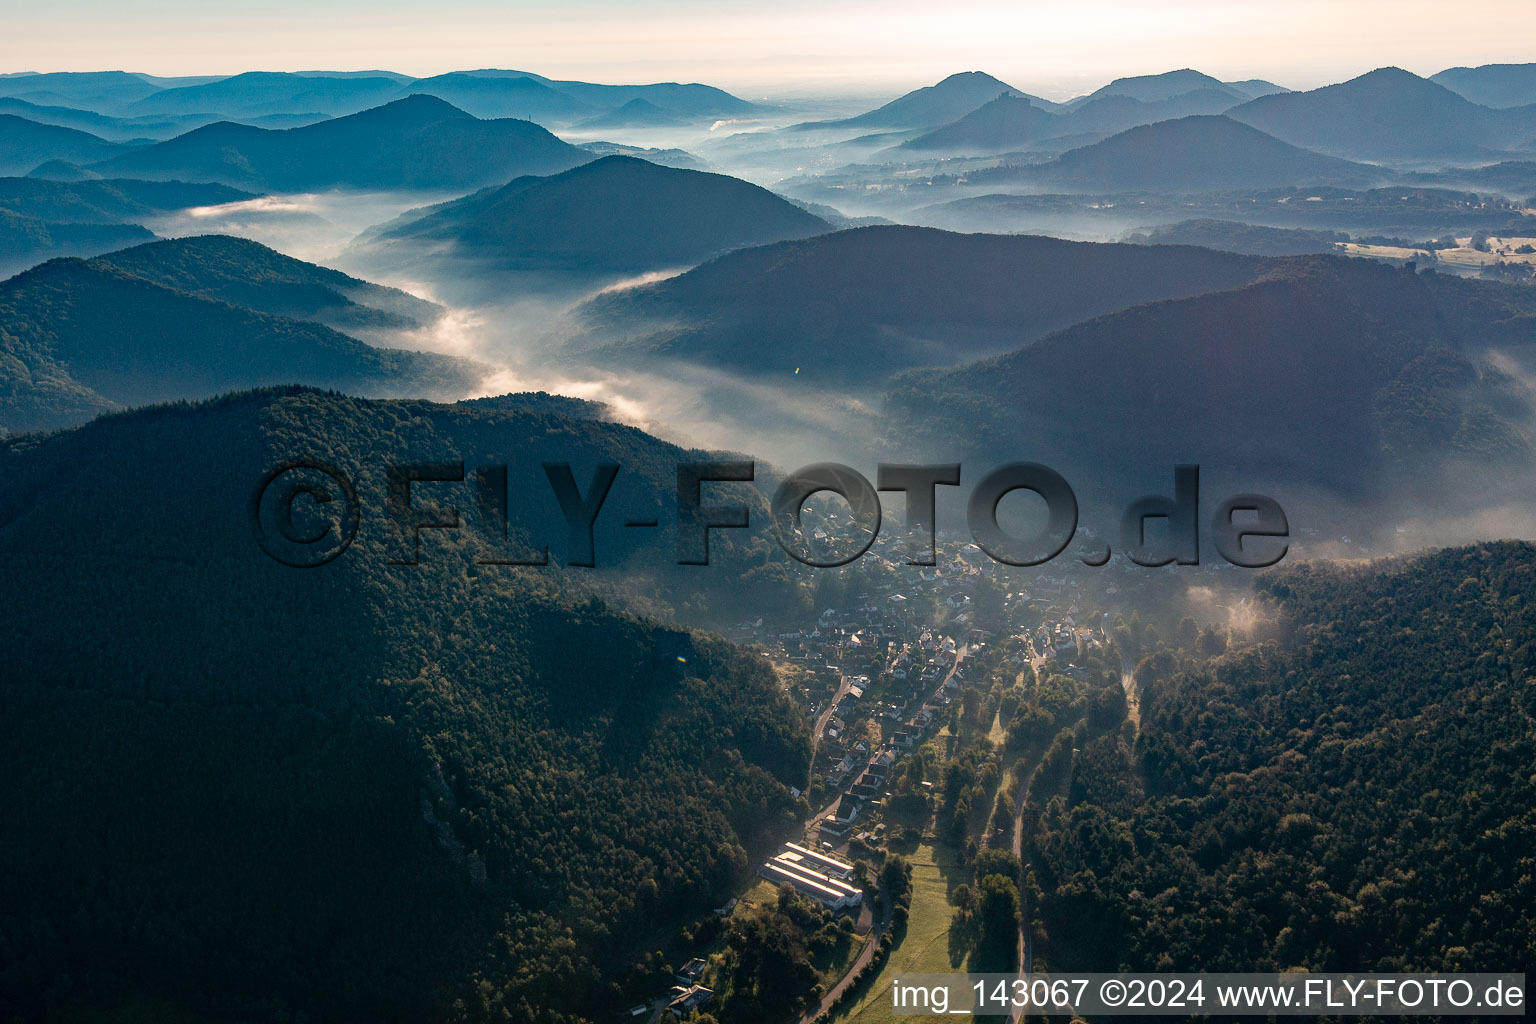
[1343, 379]
[80, 337]
[363, 791]
[1358, 796]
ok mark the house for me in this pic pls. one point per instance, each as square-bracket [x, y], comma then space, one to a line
[832, 827]
[686, 1000]
[691, 972]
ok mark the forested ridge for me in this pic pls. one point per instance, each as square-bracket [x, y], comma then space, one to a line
[1357, 796]
[250, 792]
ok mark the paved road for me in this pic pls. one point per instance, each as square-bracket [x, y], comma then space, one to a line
[821, 727]
[1025, 954]
[882, 921]
[884, 918]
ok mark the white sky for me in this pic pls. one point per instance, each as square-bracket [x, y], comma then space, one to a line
[1057, 48]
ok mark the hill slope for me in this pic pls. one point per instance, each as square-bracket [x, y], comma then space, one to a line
[68, 351]
[614, 213]
[854, 307]
[109, 200]
[1006, 123]
[418, 142]
[1492, 85]
[24, 144]
[443, 797]
[25, 241]
[1326, 376]
[1376, 758]
[1193, 154]
[246, 273]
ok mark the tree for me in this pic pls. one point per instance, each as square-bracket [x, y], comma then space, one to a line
[998, 921]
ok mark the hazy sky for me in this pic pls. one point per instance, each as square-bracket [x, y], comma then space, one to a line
[1054, 47]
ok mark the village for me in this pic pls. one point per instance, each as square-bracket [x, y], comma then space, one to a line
[892, 663]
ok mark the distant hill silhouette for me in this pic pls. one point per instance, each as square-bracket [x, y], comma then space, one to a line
[1389, 114]
[1011, 123]
[1492, 85]
[95, 90]
[1157, 88]
[246, 273]
[416, 142]
[1256, 87]
[685, 99]
[1007, 123]
[496, 93]
[269, 92]
[1109, 114]
[931, 106]
[78, 338]
[637, 113]
[1190, 154]
[24, 144]
[855, 307]
[614, 213]
[113, 129]
[488, 96]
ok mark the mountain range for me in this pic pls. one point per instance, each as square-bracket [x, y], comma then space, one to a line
[254, 93]
[1390, 114]
[1011, 123]
[488, 93]
[418, 142]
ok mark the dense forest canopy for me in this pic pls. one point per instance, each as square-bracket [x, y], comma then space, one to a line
[398, 792]
[1357, 796]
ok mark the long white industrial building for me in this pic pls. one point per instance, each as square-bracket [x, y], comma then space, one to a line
[832, 893]
[821, 862]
